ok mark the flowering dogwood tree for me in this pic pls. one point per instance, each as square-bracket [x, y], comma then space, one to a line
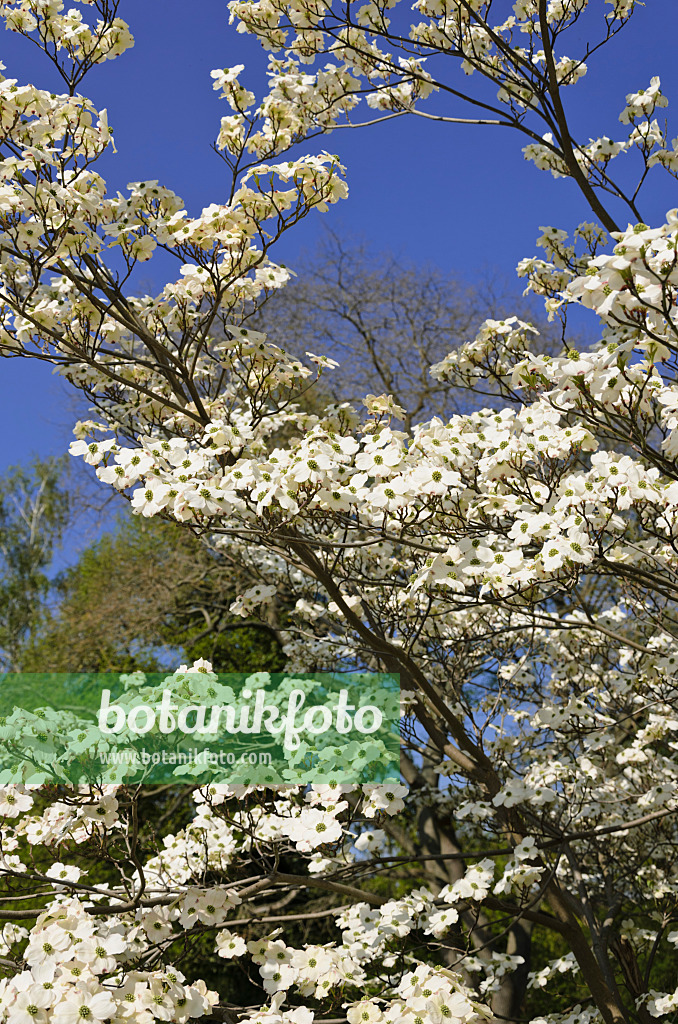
[517, 566]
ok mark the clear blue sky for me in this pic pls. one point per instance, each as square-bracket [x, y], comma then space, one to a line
[460, 197]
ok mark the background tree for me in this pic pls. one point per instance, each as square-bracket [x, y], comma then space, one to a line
[145, 594]
[386, 322]
[35, 505]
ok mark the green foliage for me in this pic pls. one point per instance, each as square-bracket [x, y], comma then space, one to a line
[147, 596]
[34, 512]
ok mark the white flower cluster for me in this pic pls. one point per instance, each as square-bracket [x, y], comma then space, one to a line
[517, 566]
[74, 971]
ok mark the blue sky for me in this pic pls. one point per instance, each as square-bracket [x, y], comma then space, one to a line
[460, 197]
